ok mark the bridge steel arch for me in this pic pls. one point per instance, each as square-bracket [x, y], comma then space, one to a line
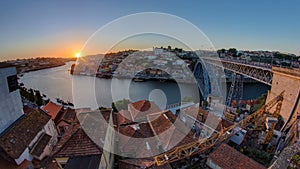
[258, 73]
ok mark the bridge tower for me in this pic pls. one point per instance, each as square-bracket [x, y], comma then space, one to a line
[202, 77]
[236, 89]
[288, 80]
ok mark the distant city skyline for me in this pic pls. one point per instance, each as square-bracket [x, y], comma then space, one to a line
[60, 28]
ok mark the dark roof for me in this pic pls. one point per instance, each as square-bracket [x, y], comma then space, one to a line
[7, 165]
[68, 116]
[20, 134]
[90, 162]
[76, 143]
[228, 158]
[141, 163]
[41, 144]
[106, 114]
[27, 109]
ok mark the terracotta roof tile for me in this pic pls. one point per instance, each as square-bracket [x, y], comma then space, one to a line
[160, 123]
[79, 144]
[76, 141]
[52, 109]
[203, 115]
[20, 134]
[177, 133]
[228, 158]
[68, 116]
[121, 118]
[139, 110]
[142, 105]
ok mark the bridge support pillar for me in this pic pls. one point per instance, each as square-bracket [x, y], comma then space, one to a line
[288, 80]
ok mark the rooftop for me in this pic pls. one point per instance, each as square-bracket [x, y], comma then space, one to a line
[155, 129]
[141, 163]
[21, 133]
[7, 165]
[52, 109]
[75, 142]
[41, 144]
[228, 158]
[140, 109]
[68, 116]
[90, 162]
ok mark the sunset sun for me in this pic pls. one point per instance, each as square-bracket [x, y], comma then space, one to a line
[78, 55]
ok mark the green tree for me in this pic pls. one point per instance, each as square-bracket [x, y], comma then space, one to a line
[232, 51]
[122, 104]
[31, 95]
[38, 98]
[187, 99]
[263, 99]
[113, 106]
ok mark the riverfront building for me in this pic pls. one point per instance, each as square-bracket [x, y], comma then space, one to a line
[23, 137]
[11, 107]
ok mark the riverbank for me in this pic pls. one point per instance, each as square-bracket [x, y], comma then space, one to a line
[35, 64]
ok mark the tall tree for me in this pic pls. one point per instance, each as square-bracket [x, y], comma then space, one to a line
[38, 98]
[31, 95]
[232, 51]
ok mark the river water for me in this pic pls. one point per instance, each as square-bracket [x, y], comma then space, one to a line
[86, 91]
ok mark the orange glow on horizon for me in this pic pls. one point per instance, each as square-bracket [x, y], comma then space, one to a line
[78, 55]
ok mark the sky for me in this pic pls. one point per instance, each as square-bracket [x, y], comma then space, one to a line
[61, 28]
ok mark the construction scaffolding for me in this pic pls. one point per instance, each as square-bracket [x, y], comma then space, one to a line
[206, 144]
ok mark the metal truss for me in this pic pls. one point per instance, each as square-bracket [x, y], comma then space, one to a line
[202, 77]
[258, 73]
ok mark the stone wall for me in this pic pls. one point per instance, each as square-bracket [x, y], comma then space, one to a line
[289, 81]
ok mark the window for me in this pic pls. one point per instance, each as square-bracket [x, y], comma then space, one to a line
[12, 83]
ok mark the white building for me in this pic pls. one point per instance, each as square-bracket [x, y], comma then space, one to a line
[22, 136]
[11, 107]
[158, 51]
[31, 136]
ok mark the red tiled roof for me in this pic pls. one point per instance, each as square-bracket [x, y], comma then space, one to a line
[158, 124]
[177, 133]
[142, 105]
[125, 117]
[78, 145]
[68, 116]
[222, 123]
[228, 158]
[67, 135]
[52, 109]
[79, 140]
[20, 134]
[140, 109]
